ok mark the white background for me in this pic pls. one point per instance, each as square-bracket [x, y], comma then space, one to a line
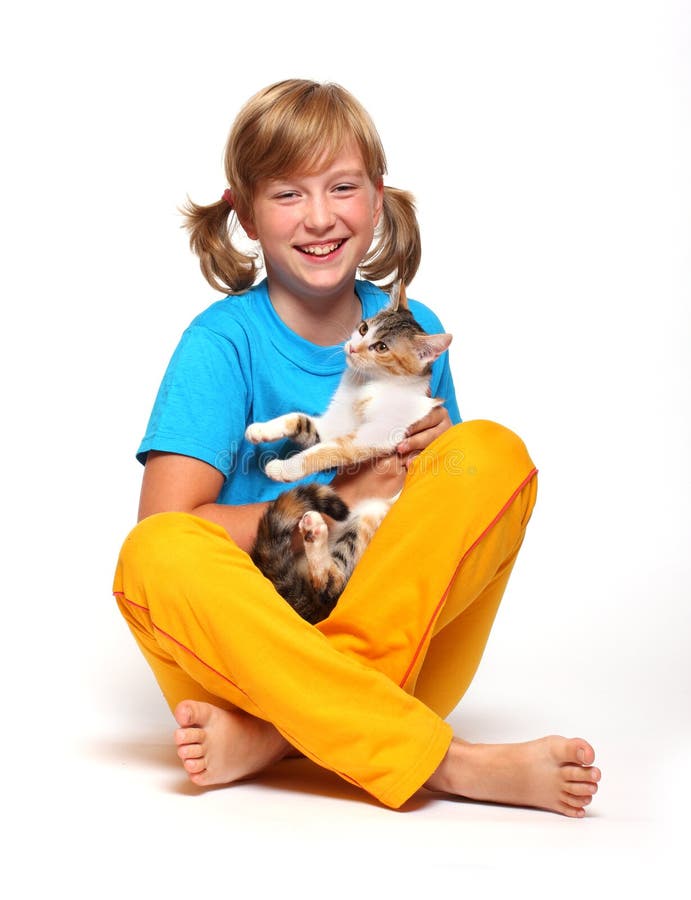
[548, 146]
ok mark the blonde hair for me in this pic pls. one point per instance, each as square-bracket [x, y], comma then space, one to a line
[291, 127]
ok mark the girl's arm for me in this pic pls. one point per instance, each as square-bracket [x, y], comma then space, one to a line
[174, 483]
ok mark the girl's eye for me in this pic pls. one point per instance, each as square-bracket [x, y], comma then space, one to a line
[379, 347]
[343, 188]
[363, 329]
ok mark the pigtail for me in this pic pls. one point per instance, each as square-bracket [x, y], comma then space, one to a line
[396, 253]
[225, 267]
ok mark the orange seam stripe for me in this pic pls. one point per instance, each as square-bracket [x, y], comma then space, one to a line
[131, 602]
[206, 665]
[462, 560]
[181, 645]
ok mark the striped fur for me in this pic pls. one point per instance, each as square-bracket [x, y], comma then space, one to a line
[312, 578]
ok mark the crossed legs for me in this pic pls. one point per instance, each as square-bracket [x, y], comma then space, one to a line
[364, 692]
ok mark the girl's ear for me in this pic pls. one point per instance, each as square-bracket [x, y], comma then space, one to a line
[431, 346]
[248, 227]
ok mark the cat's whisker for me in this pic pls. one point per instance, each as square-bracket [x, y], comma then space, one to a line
[346, 330]
[335, 354]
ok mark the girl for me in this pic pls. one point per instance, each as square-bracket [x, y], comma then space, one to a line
[365, 692]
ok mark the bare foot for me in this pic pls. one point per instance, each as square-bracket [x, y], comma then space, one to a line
[552, 773]
[218, 746]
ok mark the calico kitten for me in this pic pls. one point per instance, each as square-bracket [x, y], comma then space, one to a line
[384, 389]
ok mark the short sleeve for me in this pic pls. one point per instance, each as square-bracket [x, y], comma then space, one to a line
[203, 402]
[445, 389]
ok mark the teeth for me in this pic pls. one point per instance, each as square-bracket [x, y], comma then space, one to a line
[322, 249]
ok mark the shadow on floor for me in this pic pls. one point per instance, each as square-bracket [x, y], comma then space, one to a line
[302, 776]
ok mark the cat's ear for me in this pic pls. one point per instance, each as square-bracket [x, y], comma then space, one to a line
[398, 296]
[431, 346]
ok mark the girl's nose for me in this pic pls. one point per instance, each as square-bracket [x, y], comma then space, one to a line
[319, 215]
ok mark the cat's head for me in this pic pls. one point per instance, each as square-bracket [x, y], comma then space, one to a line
[392, 342]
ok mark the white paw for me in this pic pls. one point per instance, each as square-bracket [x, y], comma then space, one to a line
[313, 528]
[284, 469]
[274, 469]
[257, 433]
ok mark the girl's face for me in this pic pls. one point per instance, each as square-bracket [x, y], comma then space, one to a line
[315, 229]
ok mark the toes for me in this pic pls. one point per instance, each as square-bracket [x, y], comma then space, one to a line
[580, 773]
[581, 788]
[190, 751]
[189, 736]
[573, 801]
[574, 812]
[194, 714]
[184, 714]
[194, 766]
[201, 779]
[580, 751]
[574, 751]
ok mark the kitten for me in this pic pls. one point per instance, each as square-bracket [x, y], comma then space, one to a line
[384, 389]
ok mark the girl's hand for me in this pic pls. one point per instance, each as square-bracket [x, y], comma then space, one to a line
[382, 477]
[422, 433]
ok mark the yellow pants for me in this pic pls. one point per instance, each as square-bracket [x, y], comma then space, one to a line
[363, 693]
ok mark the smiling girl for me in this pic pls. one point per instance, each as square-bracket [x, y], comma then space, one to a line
[365, 692]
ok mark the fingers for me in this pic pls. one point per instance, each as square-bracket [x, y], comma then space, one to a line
[433, 419]
[422, 433]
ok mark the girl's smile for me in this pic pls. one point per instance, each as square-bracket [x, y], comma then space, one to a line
[321, 251]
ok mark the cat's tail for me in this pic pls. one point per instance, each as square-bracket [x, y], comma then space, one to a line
[276, 528]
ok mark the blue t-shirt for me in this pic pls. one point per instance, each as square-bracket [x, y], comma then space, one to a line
[239, 363]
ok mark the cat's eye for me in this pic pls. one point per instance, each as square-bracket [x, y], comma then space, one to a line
[379, 347]
[363, 328]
